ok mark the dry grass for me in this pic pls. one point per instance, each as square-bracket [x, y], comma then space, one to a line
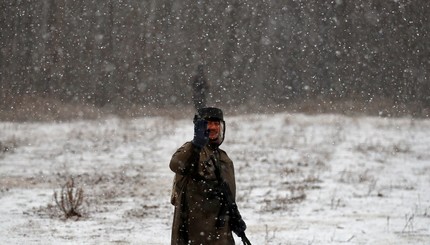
[39, 108]
[70, 199]
[36, 108]
[8, 146]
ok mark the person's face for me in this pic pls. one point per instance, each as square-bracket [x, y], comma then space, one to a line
[214, 128]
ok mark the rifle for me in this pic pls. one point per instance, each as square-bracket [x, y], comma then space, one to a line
[237, 224]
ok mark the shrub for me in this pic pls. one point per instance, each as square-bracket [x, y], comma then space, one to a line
[70, 200]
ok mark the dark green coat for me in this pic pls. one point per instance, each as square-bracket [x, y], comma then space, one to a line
[197, 208]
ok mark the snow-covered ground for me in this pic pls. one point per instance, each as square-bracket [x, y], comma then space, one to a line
[324, 179]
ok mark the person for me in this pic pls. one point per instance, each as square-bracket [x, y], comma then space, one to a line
[200, 88]
[199, 165]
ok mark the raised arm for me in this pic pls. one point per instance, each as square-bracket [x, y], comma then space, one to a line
[184, 159]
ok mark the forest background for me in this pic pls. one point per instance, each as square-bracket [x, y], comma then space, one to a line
[67, 58]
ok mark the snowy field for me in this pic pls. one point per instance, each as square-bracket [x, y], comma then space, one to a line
[324, 179]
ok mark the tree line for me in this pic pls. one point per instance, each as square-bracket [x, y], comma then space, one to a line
[144, 52]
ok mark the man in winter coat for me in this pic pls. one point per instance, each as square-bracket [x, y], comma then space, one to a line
[199, 216]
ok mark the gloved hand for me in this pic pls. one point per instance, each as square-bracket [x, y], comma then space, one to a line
[201, 133]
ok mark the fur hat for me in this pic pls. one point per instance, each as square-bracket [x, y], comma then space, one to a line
[210, 114]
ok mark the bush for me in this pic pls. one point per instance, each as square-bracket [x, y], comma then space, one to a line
[70, 200]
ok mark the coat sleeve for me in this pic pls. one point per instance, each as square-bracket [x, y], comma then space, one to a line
[184, 159]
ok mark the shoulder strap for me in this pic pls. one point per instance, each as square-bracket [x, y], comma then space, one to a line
[228, 201]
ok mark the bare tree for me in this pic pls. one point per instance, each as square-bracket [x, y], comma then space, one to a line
[143, 52]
